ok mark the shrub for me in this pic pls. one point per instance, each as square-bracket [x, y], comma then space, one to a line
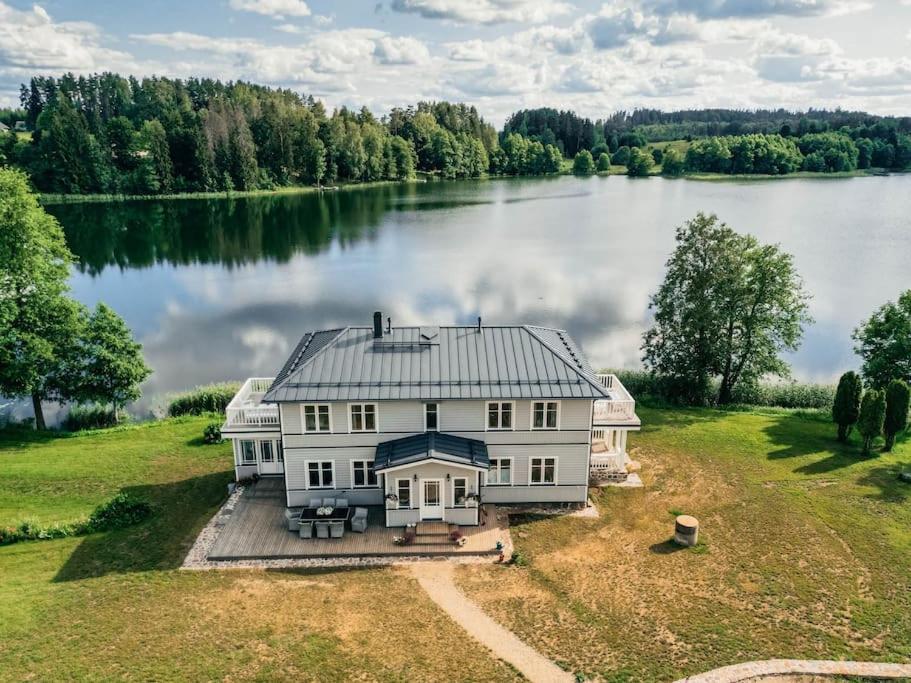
[583, 164]
[212, 398]
[89, 417]
[603, 162]
[643, 384]
[518, 559]
[846, 407]
[212, 433]
[872, 416]
[121, 511]
[898, 396]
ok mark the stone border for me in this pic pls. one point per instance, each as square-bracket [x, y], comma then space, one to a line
[758, 670]
[197, 559]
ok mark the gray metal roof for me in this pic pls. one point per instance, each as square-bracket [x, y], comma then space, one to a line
[431, 445]
[510, 362]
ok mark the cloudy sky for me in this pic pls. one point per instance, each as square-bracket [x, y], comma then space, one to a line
[501, 55]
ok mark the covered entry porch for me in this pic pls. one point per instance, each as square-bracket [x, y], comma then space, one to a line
[431, 477]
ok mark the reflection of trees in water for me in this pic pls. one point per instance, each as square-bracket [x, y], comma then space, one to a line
[225, 231]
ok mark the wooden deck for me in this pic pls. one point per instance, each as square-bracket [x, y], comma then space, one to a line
[257, 530]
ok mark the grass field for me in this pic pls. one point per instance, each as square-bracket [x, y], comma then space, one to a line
[806, 552]
[113, 605]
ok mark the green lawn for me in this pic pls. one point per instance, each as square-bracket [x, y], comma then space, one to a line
[806, 553]
[114, 606]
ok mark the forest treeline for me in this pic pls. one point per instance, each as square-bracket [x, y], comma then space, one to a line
[729, 141]
[106, 133]
[110, 134]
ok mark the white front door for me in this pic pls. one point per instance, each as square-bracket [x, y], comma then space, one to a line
[431, 499]
[270, 461]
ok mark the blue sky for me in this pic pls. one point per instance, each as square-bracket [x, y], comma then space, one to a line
[501, 55]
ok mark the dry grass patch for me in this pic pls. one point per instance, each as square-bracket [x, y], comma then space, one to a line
[799, 568]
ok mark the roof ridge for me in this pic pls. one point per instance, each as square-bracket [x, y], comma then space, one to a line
[584, 375]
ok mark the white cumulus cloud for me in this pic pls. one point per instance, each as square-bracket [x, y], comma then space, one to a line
[485, 11]
[272, 8]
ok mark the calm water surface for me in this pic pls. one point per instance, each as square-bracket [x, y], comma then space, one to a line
[224, 288]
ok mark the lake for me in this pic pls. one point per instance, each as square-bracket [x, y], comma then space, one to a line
[223, 289]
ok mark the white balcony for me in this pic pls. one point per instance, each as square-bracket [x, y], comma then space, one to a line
[620, 409]
[246, 410]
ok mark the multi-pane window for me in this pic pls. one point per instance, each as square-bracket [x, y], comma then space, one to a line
[316, 418]
[364, 476]
[500, 472]
[544, 414]
[319, 474]
[403, 490]
[279, 451]
[459, 490]
[248, 452]
[363, 417]
[543, 470]
[499, 415]
[431, 417]
[266, 452]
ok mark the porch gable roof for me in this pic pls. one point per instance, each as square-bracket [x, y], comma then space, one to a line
[448, 448]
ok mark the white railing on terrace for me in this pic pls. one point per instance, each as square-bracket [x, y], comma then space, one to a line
[246, 409]
[608, 462]
[621, 407]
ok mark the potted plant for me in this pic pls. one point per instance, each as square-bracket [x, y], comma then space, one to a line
[472, 500]
[392, 501]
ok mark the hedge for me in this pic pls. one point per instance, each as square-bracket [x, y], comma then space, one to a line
[782, 394]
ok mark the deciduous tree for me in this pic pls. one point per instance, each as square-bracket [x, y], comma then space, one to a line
[727, 308]
[884, 343]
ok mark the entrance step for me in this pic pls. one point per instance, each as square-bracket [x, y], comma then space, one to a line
[434, 528]
[432, 539]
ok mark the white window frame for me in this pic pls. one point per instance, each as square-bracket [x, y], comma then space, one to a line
[367, 484]
[279, 451]
[262, 452]
[376, 418]
[511, 473]
[398, 503]
[455, 503]
[244, 461]
[307, 464]
[531, 417]
[439, 426]
[499, 404]
[531, 460]
[316, 407]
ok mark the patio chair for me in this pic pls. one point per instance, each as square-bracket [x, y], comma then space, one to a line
[322, 529]
[314, 503]
[359, 520]
[292, 517]
[328, 502]
[306, 530]
[336, 529]
[341, 502]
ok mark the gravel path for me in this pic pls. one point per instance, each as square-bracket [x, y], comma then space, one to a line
[437, 579]
[756, 671]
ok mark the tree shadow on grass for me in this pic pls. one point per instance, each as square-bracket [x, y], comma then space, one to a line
[181, 508]
[885, 478]
[797, 437]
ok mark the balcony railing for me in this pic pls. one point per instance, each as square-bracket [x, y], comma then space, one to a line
[620, 407]
[246, 409]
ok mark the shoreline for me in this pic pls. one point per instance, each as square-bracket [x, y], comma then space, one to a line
[52, 198]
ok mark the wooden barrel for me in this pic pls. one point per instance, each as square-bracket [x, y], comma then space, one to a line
[686, 530]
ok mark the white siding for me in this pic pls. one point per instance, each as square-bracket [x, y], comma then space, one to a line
[291, 418]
